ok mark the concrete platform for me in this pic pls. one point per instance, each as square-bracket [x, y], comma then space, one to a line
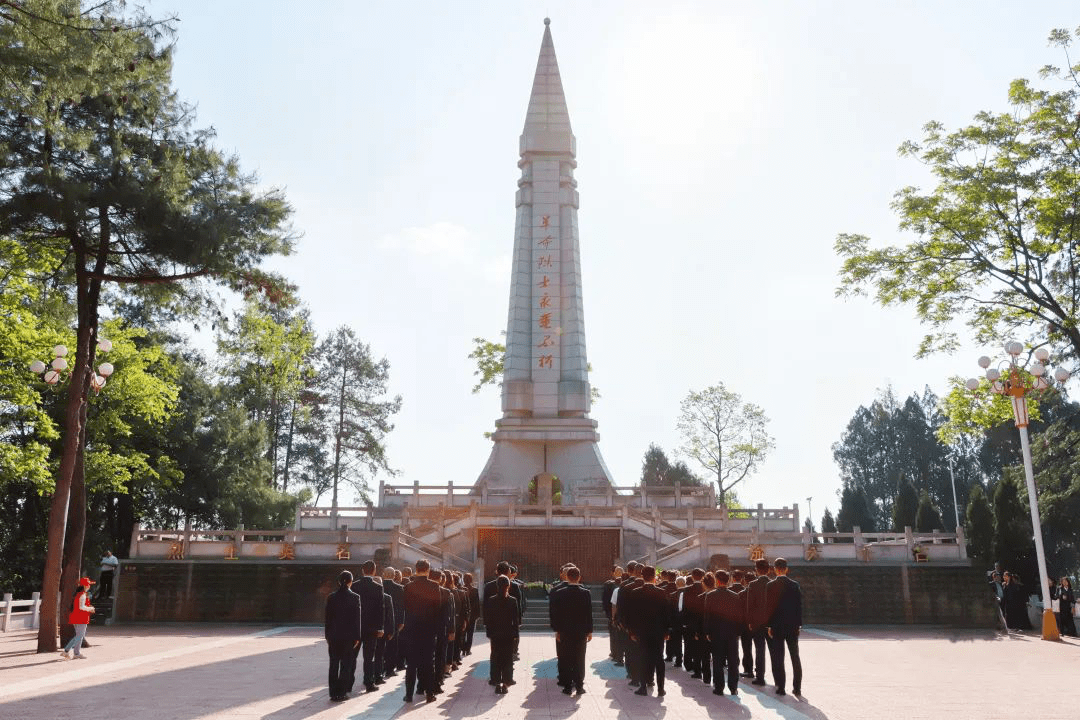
[196, 672]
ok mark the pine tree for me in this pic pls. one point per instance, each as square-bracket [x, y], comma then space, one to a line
[905, 507]
[980, 526]
[927, 517]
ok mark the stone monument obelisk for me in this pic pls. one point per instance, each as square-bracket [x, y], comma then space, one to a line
[545, 426]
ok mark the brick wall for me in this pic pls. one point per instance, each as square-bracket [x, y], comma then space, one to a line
[540, 552]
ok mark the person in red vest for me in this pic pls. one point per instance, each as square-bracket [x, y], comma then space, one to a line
[80, 617]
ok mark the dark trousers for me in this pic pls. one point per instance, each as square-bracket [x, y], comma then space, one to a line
[652, 660]
[634, 659]
[561, 677]
[470, 630]
[420, 664]
[368, 643]
[389, 656]
[380, 656]
[573, 659]
[342, 667]
[759, 638]
[704, 658]
[502, 660]
[105, 585]
[725, 651]
[674, 646]
[747, 639]
[776, 651]
[614, 644]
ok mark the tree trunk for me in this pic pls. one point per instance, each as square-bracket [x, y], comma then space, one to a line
[337, 435]
[76, 532]
[288, 447]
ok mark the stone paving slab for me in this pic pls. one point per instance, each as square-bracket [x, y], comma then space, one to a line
[197, 672]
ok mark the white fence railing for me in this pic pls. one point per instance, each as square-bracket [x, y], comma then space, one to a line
[19, 614]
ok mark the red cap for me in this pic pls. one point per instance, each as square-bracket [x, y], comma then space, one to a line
[86, 582]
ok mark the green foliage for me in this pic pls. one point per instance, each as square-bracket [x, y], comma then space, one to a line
[980, 526]
[854, 511]
[353, 386]
[906, 507]
[724, 435]
[1012, 524]
[658, 471]
[1057, 478]
[927, 517]
[828, 523]
[889, 443]
[971, 414]
[995, 239]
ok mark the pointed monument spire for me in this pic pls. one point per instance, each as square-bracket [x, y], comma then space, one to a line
[547, 123]
[546, 397]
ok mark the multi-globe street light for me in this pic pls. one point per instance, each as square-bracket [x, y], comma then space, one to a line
[53, 372]
[1016, 384]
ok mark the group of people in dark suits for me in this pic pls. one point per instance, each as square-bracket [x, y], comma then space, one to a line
[421, 622]
[700, 621]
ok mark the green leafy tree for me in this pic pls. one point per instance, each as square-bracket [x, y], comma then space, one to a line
[828, 523]
[1013, 544]
[980, 526]
[905, 508]
[354, 387]
[1057, 478]
[725, 436]
[927, 517]
[658, 471]
[101, 163]
[995, 240]
[854, 511]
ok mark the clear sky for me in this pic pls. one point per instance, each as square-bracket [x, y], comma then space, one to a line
[721, 148]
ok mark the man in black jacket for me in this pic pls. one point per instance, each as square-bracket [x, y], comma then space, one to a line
[573, 626]
[745, 637]
[371, 620]
[757, 616]
[423, 616]
[650, 626]
[605, 600]
[785, 597]
[395, 649]
[624, 614]
[724, 610]
[342, 631]
[389, 635]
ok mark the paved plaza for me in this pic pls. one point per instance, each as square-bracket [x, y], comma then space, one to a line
[192, 672]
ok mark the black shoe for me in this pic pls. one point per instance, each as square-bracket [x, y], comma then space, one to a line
[660, 693]
[780, 691]
[641, 691]
[391, 673]
[338, 698]
[430, 697]
[634, 683]
[370, 687]
[380, 680]
[566, 690]
[407, 698]
[733, 691]
[501, 689]
[797, 692]
[678, 663]
[492, 682]
[746, 675]
[718, 691]
[508, 683]
[580, 690]
[757, 681]
[696, 676]
[619, 663]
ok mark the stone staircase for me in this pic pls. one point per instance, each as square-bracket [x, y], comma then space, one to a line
[536, 619]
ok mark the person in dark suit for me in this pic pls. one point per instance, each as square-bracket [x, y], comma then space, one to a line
[724, 615]
[650, 626]
[605, 601]
[785, 622]
[573, 628]
[491, 589]
[625, 614]
[444, 634]
[461, 602]
[342, 630]
[693, 614]
[423, 615]
[1016, 597]
[371, 620]
[474, 612]
[501, 621]
[517, 591]
[388, 636]
[757, 617]
[554, 598]
[394, 647]
[746, 641]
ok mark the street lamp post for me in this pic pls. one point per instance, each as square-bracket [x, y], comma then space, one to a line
[956, 508]
[1015, 386]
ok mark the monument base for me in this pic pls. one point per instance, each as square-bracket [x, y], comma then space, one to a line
[527, 447]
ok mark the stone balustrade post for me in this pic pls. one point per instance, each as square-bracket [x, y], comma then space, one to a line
[909, 540]
[416, 492]
[7, 612]
[511, 516]
[133, 548]
[450, 493]
[644, 495]
[369, 521]
[961, 543]
[610, 495]
[858, 537]
[656, 525]
[795, 517]
[440, 520]
[690, 528]
[36, 608]
[395, 545]
[678, 495]
[760, 517]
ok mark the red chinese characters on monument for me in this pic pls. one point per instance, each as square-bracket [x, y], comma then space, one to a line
[545, 261]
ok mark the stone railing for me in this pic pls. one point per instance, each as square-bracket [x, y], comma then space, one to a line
[451, 495]
[19, 614]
